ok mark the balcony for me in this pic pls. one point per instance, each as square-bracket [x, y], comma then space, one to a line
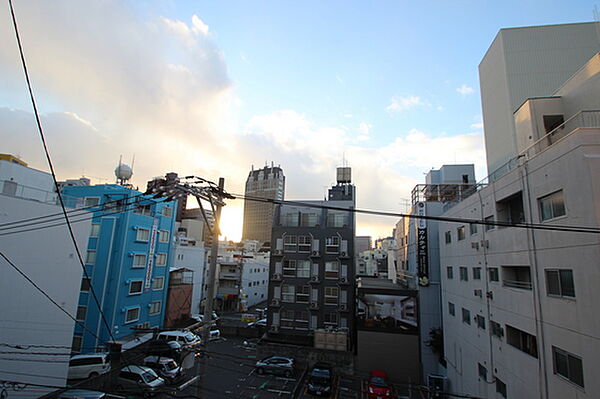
[228, 291]
[516, 277]
[229, 276]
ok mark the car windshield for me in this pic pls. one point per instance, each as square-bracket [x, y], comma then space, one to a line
[189, 337]
[170, 366]
[320, 373]
[149, 376]
[378, 381]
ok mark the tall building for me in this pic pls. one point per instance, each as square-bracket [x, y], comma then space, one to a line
[268, 182]
[522, 63]
[520, 305]
[312, 278]
[362, 243]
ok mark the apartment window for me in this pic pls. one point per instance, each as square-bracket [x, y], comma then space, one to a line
[289, 268]
[85, 284]
[449, 272]
[477, 273]
[559, 282]
[287, 293]
[155, 307]
[302, 293]
[95, 230]
[500, 387]
[466, 316]
[516, 277]
[90, 257]
[90, 202]
[135, 287]
[144, 210]
[332, 269]
[460, 233]
[301, 320]
[76, 343]
[291, 219]
[480, 321]
[496, 329]
[132, 315]
[494, 275]
[290, 243]
[331, 295]
[472, 228]
[303, 268]
[287, 319]
[448, 237]
[142, 234]
[330, 319]
[163, 236]
[464, 274]
[161, 259]
[451, 309]
[336, 220]
[304, 244]
[552, 206]
[482, 371]
[167, 211]
[568, 366]
[332, 245]
[158, 283]
[81, 313]
[308, 219]
[521, 340]
[510, 210]
[139, 260]
[489, 219]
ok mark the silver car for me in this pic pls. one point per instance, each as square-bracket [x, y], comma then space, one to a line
[139, 379]
[276, 365]
[166, 367]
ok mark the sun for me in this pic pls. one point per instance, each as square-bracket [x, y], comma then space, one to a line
[231, 222]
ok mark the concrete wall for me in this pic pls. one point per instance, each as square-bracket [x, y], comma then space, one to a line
[192, 258]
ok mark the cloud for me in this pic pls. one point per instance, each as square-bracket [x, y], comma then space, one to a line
[198, 26]
[365, 128]
[399, 104]
[478, 124]
[465, 90]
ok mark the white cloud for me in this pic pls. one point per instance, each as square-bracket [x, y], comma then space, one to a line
[365, 128]
[465, 90]
[478, 124]
[399, 104]
[198, 26]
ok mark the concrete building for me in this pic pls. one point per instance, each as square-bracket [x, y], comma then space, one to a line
[31, 327]
[179, 297]
[129, 252]
[268, 182]
[312, 277]
[520, 318]
[522, 63]
[255, 279]
[190, 256]
[362, 243]
[373, 263]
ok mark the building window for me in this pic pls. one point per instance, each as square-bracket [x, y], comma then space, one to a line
[521, 340]
[289, 268]
[90, 202]
[331, 295]
[500, 387]
[332, 269]
[496, 329]
[291, 219]
[76, 343]
[85, 284]
[488, 220]
[451, 309]
[510, 210]
[301, 320]
[448, 237]
[163, 236]
[155, 307]
[516, 277]
[466, 316]
[302, 293]
[290, 243]
[158, 283]
[568, 366]
[559, 282]
[464, 274]
[135, 287]
[90, 257]
[132, 315]
[477, 273]
[449, 272]
[480, 321]
[332, 245]
[139, 260]
[161, 259]
[81, 313]
[142, 235]
[494, 275]
[330, 319]
[287, 293]
[482, 371]
[144, 210]
[304, 244]
[95, 230]
[167, 211]
[460, 231]
[552, 206]
[336, 219]
[308, 219]
[472, 228]
[303, 268]
[287, 319]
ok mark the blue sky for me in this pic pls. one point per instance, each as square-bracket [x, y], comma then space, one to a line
[211, 88]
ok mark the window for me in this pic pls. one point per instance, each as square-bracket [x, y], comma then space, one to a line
[480, 321]
[496, 329]
[291, 219]
[482, 371]
[336, 219]
[521, 340]
[302, 293]
[489, 219]
[287, 293]
[332, 269]
[142, 234]
[500, 387]
[287, 319]
[332, 245]
[90, 257]
[76, 343]
[161, 259]
[464, 274]
[158, 283]
[91, 202]
[472, 228]
[301, 320]
[451, 309]
[560, 283]
[516, 277]
[308, 219]
[552, 206]
[448, 237]
[167, 211]
[303, 268]
[81, 313]
[460, 232]
[510, 210]
[290, 243]
[85, 284]
[330, 319]
[95, 230]
[466, 316]
[163, 236]
[449, 272]
[155, 307]
[477, 273]
[304, 244]
[144, 210]
[132, 315]
[568, 366]
[331, 295]
[289, 268]
[139, 260]
[494, 275]
[135, 287]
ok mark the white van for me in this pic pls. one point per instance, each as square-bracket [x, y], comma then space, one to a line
[88, 366]
[185, 338]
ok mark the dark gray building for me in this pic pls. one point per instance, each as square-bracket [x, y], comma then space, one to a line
[312, 277]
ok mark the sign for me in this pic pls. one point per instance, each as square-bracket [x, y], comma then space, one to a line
[422, 257]
[149, 266]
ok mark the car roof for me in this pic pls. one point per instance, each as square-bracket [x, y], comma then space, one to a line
[378, 373]
[158, 359]
[280, 357]
[136, 369]
[176, 333]
[88, 355]
[81, 394]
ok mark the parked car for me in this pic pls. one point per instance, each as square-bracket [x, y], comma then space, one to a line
[165, 367]
[320, 380]
[262, 323]
[140, 379]
[200, 317]
[250, 343]
[276, 365]
[83, 394]
[185, 338]
[378, 387]
[88, 365]
[170, 349]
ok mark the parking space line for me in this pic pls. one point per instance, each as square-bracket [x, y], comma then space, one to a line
[187, 383]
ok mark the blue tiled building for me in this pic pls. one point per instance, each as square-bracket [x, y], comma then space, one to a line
[127, 259]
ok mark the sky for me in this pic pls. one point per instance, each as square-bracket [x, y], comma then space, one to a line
[213, 88]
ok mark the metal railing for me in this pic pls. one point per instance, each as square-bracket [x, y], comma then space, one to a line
[12, 189]
[524, 285]
[449, 192]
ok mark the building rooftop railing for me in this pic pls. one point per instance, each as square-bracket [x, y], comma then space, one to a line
[448, 192]
[12, 189]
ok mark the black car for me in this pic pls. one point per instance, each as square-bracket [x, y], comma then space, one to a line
[320, 380]
[170, 349]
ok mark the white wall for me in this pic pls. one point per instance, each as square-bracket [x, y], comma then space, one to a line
[193, 258]
[33, 183]
[258, 280]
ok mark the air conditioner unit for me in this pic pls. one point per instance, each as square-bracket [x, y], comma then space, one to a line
[475, 245]
[274, 329]
[315, 253]
[485, 244]
[490, 294]
[343, 254]
[343, 308]
[276, 277]
[278, 252]
[275, 302]
[313, 306]
[478, 293]
[344, 280]
[314, 279]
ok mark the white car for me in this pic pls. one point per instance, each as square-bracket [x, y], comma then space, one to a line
[185, 338]
[88, 365]
[139, 379]
[200, 317]
[259, 323]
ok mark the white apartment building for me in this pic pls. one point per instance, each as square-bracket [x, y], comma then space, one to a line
[520, 306]
[193, 257]
[255, 279]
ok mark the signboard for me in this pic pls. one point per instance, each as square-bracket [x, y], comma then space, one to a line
[149, 266]
[422, 258]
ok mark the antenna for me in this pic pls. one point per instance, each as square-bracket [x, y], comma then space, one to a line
[132, 162]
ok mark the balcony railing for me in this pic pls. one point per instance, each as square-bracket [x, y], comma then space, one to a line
[524, 285]
[13, 189]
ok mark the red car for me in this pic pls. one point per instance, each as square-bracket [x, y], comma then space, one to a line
[378, 385]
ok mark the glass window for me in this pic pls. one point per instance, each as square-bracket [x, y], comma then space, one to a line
[489, 219]
[158, 283]
[145, 210]
[287, 319]
[552, 206]
[95, 230]
[85, 284]
[460, 233]
[139, 260]
[521, 340]
[303, 268]
[308, 219]
[466, 316]
[496, 329]
[132, 315]
[494, 275]
[451, 309]
[332, 245]
[302, 320]
[559, 282]
[500, 387]
[304, 244]
[464, 274]
[480, 321]
[336, 219]
[291, 219]
[448, 237]
[568, 366]
[81, 313]
[90, 257]
[482, 371]
[287, 293]
[477, 273]
[135, 287]
[302, 293]
[155, 307]
[76, 343]
[161, 259]
[331, 295]
[289, 268]
[473, 228]
[330, 319]
[290, 243]
[142, 234]
[449, 272]
[167, 211]
[332, 269]
[163, 236]
[91, 202]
